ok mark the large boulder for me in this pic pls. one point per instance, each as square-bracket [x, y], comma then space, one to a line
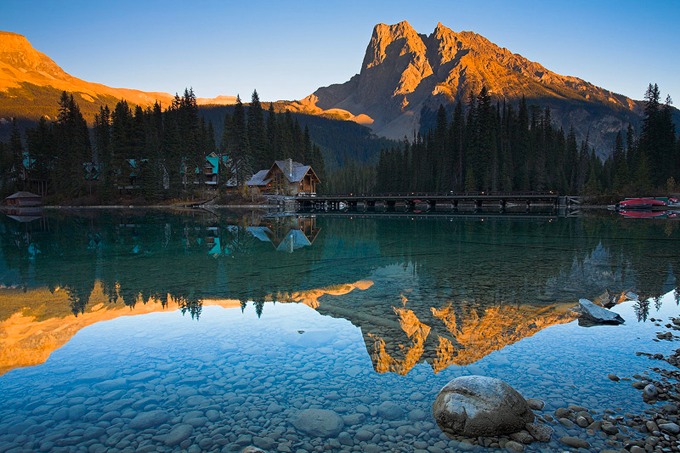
[480, 406]
[592, 314]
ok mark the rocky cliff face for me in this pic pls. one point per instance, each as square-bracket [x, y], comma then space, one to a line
[404, 73]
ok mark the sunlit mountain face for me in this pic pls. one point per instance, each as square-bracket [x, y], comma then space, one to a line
[406, 75]
[439, 290]
[403, 79]
[31, 84]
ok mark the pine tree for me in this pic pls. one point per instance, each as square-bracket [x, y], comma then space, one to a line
[272, 137]
[257, 136]
[103, 151]
[21, 165]
[121, 144]
[657, 137]
[173, 163]
[189, 130]
[620, 165]
[237, 143]
[521, 152]
[457, 132]
[6, 164]
[442, 158]
[73, 149]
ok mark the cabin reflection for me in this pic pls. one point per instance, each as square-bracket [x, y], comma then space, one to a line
[24, 214]
[287, 234]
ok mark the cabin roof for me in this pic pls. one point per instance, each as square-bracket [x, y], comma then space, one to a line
[22, 194]
[298, 170]
[259, 179]
[214, 162]
[260, 232]
[295, 239]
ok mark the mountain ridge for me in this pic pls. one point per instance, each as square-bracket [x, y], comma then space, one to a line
[404, 77]
[405, 74]
[27, 74]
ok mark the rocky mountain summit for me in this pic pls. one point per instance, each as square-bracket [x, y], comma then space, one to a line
[405, 74]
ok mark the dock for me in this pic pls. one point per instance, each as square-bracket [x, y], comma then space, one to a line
[418, 201]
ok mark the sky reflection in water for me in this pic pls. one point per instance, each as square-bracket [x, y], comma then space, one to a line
[257, 369]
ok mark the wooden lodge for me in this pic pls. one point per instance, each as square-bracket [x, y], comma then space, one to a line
[285, 177]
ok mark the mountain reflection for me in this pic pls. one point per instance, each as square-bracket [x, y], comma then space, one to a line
[443, 290]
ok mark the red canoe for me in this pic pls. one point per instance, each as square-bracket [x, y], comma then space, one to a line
[641, 203]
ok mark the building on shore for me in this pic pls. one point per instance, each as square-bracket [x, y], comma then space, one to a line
[285, 177]
[23, 200]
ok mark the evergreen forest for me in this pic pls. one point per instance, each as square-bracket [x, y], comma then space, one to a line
[151, 154]
[148, 154]
[500, 148]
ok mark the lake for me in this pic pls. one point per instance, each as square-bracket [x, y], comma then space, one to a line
[135, 330]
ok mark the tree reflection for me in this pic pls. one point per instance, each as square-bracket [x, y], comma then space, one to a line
[139, 256]
[641, 308]
[259, 306]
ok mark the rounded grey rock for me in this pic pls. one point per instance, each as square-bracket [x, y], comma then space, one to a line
[318, 422]
[523, 437]
[609, 428]
[390, 411]
[178, 434]
[514, 446]
[540, 432]
[363, 435]
[670, 428]
[149, 419]
[582, 421]
[417, 415]
[650, 391]
[480, 406]
[535, 404]
[574, 442]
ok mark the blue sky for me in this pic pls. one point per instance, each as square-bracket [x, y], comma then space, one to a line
[287, 49]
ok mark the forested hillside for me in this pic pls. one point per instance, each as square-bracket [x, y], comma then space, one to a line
[148, 154]
[341, 142]
[153, 154]
[494, 147]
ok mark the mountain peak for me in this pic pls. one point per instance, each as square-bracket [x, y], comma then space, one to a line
[441, 29]
[405, 74]
[386, 37]
[17, 52]
[31, 84]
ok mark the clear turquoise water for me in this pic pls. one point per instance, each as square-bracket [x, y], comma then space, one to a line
[217, 379]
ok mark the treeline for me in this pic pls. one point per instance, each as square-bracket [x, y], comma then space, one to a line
[341, 142]
[149, 153]
[254, 141]
[487, 147]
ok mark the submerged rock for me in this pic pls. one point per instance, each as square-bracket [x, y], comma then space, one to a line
[150, 419]
[480, 406]
[178, 434]
[535, 404]
[319, 422]
[592, 314]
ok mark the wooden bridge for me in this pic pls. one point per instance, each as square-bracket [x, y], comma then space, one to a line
[425, 201]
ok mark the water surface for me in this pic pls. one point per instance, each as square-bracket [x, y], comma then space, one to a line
[147, 330]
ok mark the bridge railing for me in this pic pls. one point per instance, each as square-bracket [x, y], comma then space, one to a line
[430, 194]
